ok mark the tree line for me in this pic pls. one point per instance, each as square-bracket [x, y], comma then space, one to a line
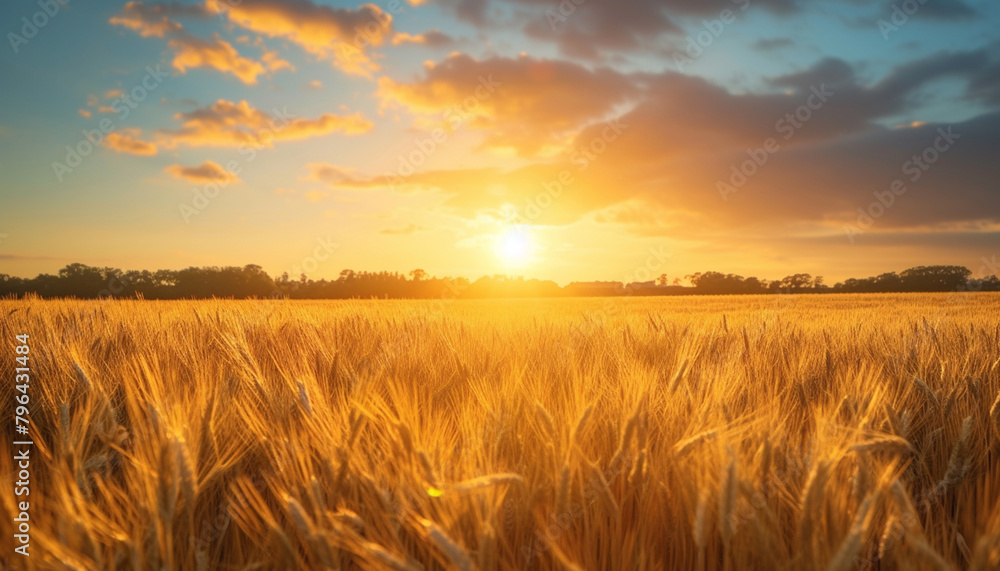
[251, 281]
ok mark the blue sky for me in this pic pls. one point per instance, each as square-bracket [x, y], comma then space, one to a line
[662, 183]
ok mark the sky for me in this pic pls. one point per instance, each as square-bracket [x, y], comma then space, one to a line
[573, 140]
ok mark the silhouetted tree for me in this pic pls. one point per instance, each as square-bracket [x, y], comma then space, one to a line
[250, 281]
[934, 278]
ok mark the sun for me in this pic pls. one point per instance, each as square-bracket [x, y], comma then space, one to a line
[515, 246]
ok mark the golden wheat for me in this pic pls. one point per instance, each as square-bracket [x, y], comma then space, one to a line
[709, 433]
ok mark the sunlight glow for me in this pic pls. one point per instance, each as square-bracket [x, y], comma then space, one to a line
[515, 246]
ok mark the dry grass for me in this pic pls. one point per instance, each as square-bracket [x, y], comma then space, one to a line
[811, 432]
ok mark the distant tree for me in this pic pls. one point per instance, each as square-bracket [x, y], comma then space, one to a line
[754, 285]
[934, 278]
[889, 281]
[796, 282]
[717, 282]
[988, 283]
[82, 281]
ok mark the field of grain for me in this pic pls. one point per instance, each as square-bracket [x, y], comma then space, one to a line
[771, 432]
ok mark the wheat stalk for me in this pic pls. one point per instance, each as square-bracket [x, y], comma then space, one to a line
[600, 486]
[995, 415]
[958, 464]
[892, 532]
[685, 446]
[488, 482]
[546, 419]
[458, 557]
[581, 424]
[562, 495]
[851, 546]
[727, 502]
[928, 393]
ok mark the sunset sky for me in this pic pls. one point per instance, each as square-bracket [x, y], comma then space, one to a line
[575, 141]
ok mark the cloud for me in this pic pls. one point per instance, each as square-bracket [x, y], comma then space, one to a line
[525, 104]
[229, 124]
[500, 193]
[591, 29]
[206, 172]
[191, 52]
[220, 55]
[127, 141]
[327, 173]
[84, 113]
[685, 135]
[154, 21]
[433, 38]
[341, 35]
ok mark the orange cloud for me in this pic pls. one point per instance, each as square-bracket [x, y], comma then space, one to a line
[218, 54]
[84, 113]
[341, 35]
[192, 52]
[203, 173]
[147, 21]
[327, 173]
[127, 141]
[527, 104]
[229, 124]
[433, 38]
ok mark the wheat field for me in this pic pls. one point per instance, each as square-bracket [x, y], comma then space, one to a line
[752, 432]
